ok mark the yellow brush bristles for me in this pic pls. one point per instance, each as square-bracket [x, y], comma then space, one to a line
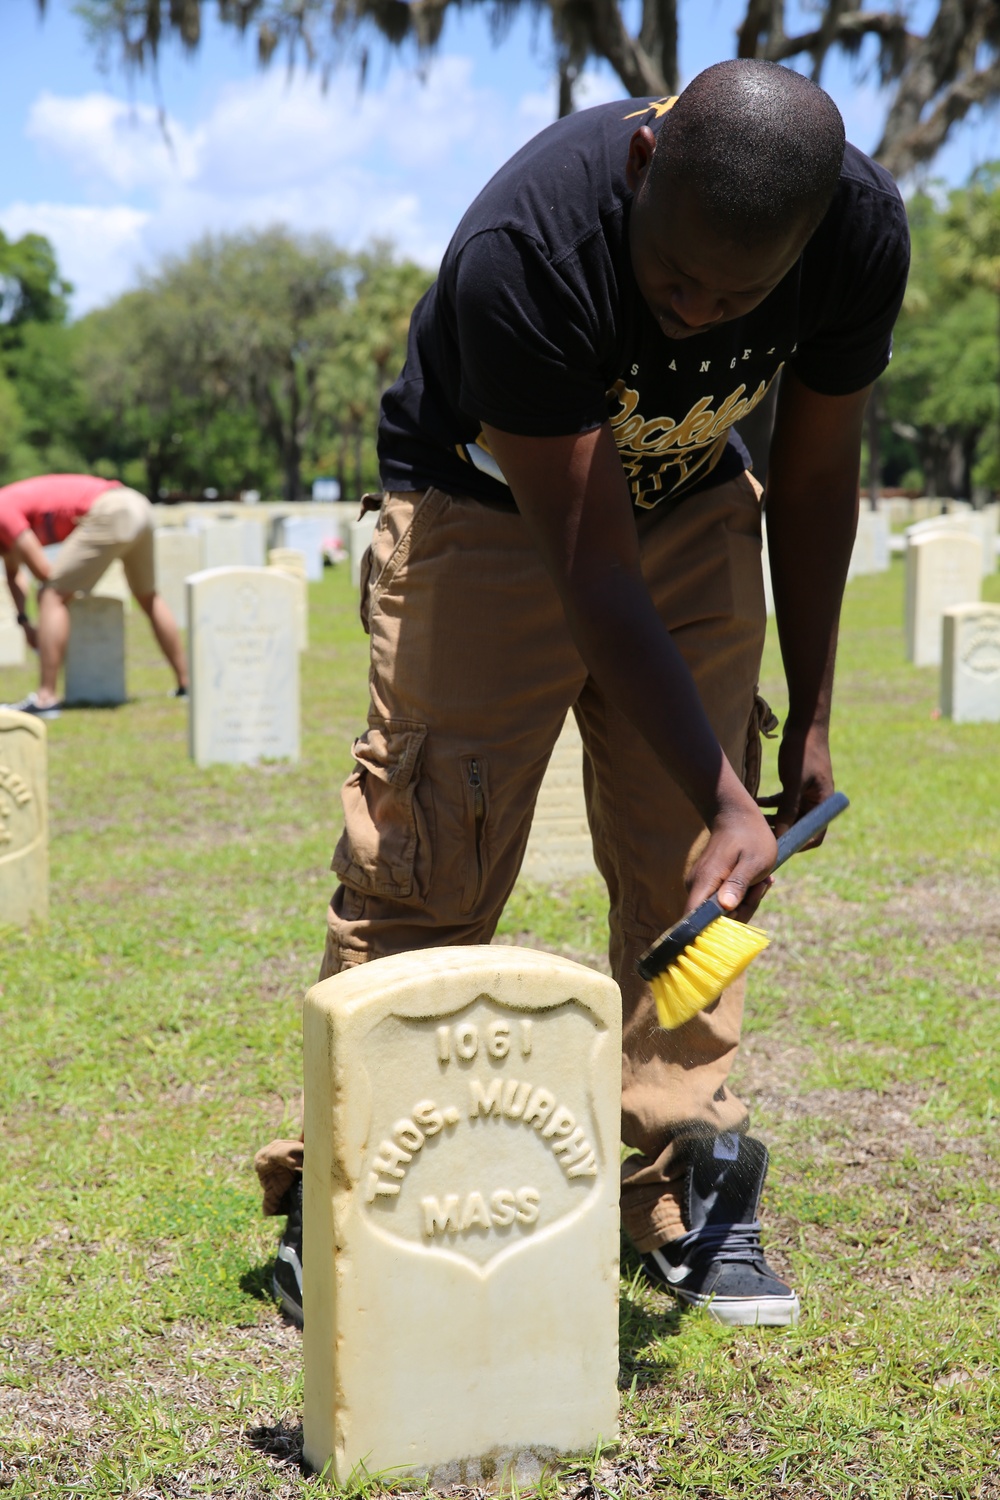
[715, 958]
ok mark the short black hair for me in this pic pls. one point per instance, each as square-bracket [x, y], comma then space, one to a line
[760, 145]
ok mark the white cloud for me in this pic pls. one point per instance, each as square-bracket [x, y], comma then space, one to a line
[107, 141]
[403, 160]
[99, 249]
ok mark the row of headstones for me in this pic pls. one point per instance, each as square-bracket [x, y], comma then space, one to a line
[247, 627]
[946, 623]
[13, 647]
[191, 544]
[95, 655]
[871, 552]
[238, 713]
[476, 1184]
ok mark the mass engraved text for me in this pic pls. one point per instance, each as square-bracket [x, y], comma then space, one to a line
[456, 1215]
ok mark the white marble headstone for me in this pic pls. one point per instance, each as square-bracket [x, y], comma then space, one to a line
[359, 539]
[765, 566]
[871, 545]
[178, 553]
[970, 664]
[244, 654]
[294, 564]
[943, 568]
[95, 655]
[13, 646]
[24, 824]
[231, 543]
[308, 535]
[460, 1214]
[113, 584]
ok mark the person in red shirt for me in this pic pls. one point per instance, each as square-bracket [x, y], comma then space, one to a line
[96, 520]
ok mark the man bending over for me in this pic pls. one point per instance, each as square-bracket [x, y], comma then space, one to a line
[97, 520]
[568, 524]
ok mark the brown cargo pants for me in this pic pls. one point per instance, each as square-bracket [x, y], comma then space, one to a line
[472, 673]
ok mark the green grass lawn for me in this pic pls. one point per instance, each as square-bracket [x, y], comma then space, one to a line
[150, 1042]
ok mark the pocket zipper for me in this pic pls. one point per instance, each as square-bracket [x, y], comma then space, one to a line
[478, 819]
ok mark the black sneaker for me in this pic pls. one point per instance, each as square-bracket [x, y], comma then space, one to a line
[286, 1280]
[719, 1264]
[31, 705]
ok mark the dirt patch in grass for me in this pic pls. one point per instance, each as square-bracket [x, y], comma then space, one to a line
[940, 910]
[60, 1407]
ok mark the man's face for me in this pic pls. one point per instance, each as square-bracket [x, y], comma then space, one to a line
[690, 279]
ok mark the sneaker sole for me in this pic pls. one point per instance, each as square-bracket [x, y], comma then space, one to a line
[761, 1312]
[286, 1302]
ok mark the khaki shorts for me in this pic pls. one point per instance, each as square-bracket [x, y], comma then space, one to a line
[118, 524]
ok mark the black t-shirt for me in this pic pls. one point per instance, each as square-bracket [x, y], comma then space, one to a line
[536, 325]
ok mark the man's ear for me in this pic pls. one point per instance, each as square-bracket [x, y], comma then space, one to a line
[640, 154]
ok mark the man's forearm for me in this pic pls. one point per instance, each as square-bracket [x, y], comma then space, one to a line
[16, 593]
[812, 518]
[27, 549]
[639, 668]
[810, 544]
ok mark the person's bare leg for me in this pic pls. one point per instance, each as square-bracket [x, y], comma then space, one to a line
[168, 637]
[53, 635]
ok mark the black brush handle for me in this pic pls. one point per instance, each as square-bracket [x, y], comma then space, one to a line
[809, 825]
[669, 947]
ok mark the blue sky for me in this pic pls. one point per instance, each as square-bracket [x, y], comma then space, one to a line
[87, 163]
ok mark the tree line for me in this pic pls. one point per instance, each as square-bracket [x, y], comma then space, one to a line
[938, 404]
[254, 361]
[257, 361]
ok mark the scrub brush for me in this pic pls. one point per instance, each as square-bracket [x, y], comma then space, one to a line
[691, 963]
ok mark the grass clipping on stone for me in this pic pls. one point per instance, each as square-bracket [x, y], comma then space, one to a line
[151, 1042]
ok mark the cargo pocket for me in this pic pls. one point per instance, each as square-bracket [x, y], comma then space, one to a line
[476, 803]
[763, 722]
[364, 607]
[384, 825]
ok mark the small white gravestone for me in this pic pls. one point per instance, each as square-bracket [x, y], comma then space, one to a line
[881, 532]
[254, 543]
[243, 647]
[991, 530]
[13, 646]
[113, 584]
[983, 523]
[943, 568]
[871, 545]
[460, 1214]
[359, 540]
[308, 535]
[168, 515]
[559, 845]
[895, 510]
[24, 820]
[765, 567]
[294, 564]
[970, 664]
[226, 544]
[952, 521]
[95, 656]
[966, 520]
[288, 559]
[178, 553]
